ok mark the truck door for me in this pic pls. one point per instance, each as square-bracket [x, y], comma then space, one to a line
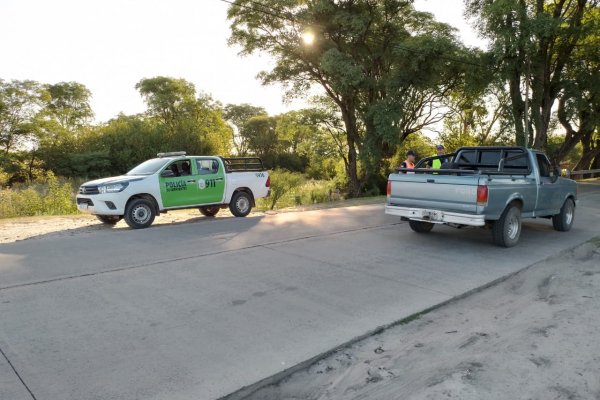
[210, 180]
[179, 189]
[549, 190]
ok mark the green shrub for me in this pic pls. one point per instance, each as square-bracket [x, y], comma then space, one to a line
[300, 193]
[49, 197]
[282, 182]
[4, 178]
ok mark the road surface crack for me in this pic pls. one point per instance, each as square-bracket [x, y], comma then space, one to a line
[10, 364]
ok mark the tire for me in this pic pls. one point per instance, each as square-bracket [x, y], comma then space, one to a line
[420, 226]
[209, 211]
[109, 219]
[241, 204]
[140, 213]
[563, 221]
[507, 230]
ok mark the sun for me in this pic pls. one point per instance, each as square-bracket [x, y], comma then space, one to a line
[308, 38]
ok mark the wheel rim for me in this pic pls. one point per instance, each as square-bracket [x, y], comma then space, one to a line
[513, 227]
[569, 214]
[141, 214]
[242, 204]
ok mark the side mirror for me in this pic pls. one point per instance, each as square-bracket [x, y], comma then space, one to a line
[167, 173]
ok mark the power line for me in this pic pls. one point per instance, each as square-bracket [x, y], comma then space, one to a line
[278, 13]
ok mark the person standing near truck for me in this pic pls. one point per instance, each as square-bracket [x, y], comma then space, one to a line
[437, 163]
[409, 162]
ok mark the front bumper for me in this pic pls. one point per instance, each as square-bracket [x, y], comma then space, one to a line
[436, 216]
[100, 205]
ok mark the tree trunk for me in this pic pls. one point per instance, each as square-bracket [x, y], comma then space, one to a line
[591, 150]
[30, 168]
[352, 138]
[517, 108]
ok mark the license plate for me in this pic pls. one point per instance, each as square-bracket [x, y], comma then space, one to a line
[83, 206]
[432, 215]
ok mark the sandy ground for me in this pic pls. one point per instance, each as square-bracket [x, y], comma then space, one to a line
[16, 229]
[12, 230]
[533, 336]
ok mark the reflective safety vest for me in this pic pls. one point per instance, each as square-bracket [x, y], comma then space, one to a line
[437, 163]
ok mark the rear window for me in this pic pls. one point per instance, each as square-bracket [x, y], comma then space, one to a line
[490, 158]
[515, 160]
[468, 157]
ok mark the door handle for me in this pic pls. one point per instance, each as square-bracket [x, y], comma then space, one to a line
[191, 181]
[218, 179]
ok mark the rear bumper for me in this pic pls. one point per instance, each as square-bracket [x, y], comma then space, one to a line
[436, 216]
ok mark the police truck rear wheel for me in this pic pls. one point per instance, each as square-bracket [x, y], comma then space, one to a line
[241, 204]
[209, 211]
[420, 226]
[140, 213]
[109, 219]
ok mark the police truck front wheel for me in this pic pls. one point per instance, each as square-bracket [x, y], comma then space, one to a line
[241, 204]
[139, 213]
[420, 226]
[109, 219]
[209, 211]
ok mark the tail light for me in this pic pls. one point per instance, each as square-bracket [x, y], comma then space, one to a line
[389, 189]
[268, 184]
[482, 195]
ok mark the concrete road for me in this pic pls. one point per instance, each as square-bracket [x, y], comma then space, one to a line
[198, 310]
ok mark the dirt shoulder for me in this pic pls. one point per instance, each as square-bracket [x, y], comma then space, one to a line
[16, 229]
[533, 336]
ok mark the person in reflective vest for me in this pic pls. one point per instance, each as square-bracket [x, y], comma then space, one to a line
[409, 162]
[437, 163]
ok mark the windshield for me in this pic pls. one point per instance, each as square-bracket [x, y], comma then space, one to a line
[148, 167]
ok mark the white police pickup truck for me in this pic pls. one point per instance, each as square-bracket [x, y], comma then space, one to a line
[176, 181]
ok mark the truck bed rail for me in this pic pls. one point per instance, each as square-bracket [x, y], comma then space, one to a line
[459, 172]
[243, 164]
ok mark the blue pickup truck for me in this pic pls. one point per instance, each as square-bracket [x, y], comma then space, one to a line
[489, 187]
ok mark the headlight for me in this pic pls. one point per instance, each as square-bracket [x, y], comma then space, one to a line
[113, 187]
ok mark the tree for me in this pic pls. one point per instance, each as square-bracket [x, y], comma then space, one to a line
[193, 123]
[478, 118]
[381, 63]
[534, 43]
[68, 103]
[579, 102]
[20, 101]
[239, 115]
[261, 135]
[167, 98]
[66, 114]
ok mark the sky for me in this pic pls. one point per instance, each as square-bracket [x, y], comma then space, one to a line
[109, 45]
